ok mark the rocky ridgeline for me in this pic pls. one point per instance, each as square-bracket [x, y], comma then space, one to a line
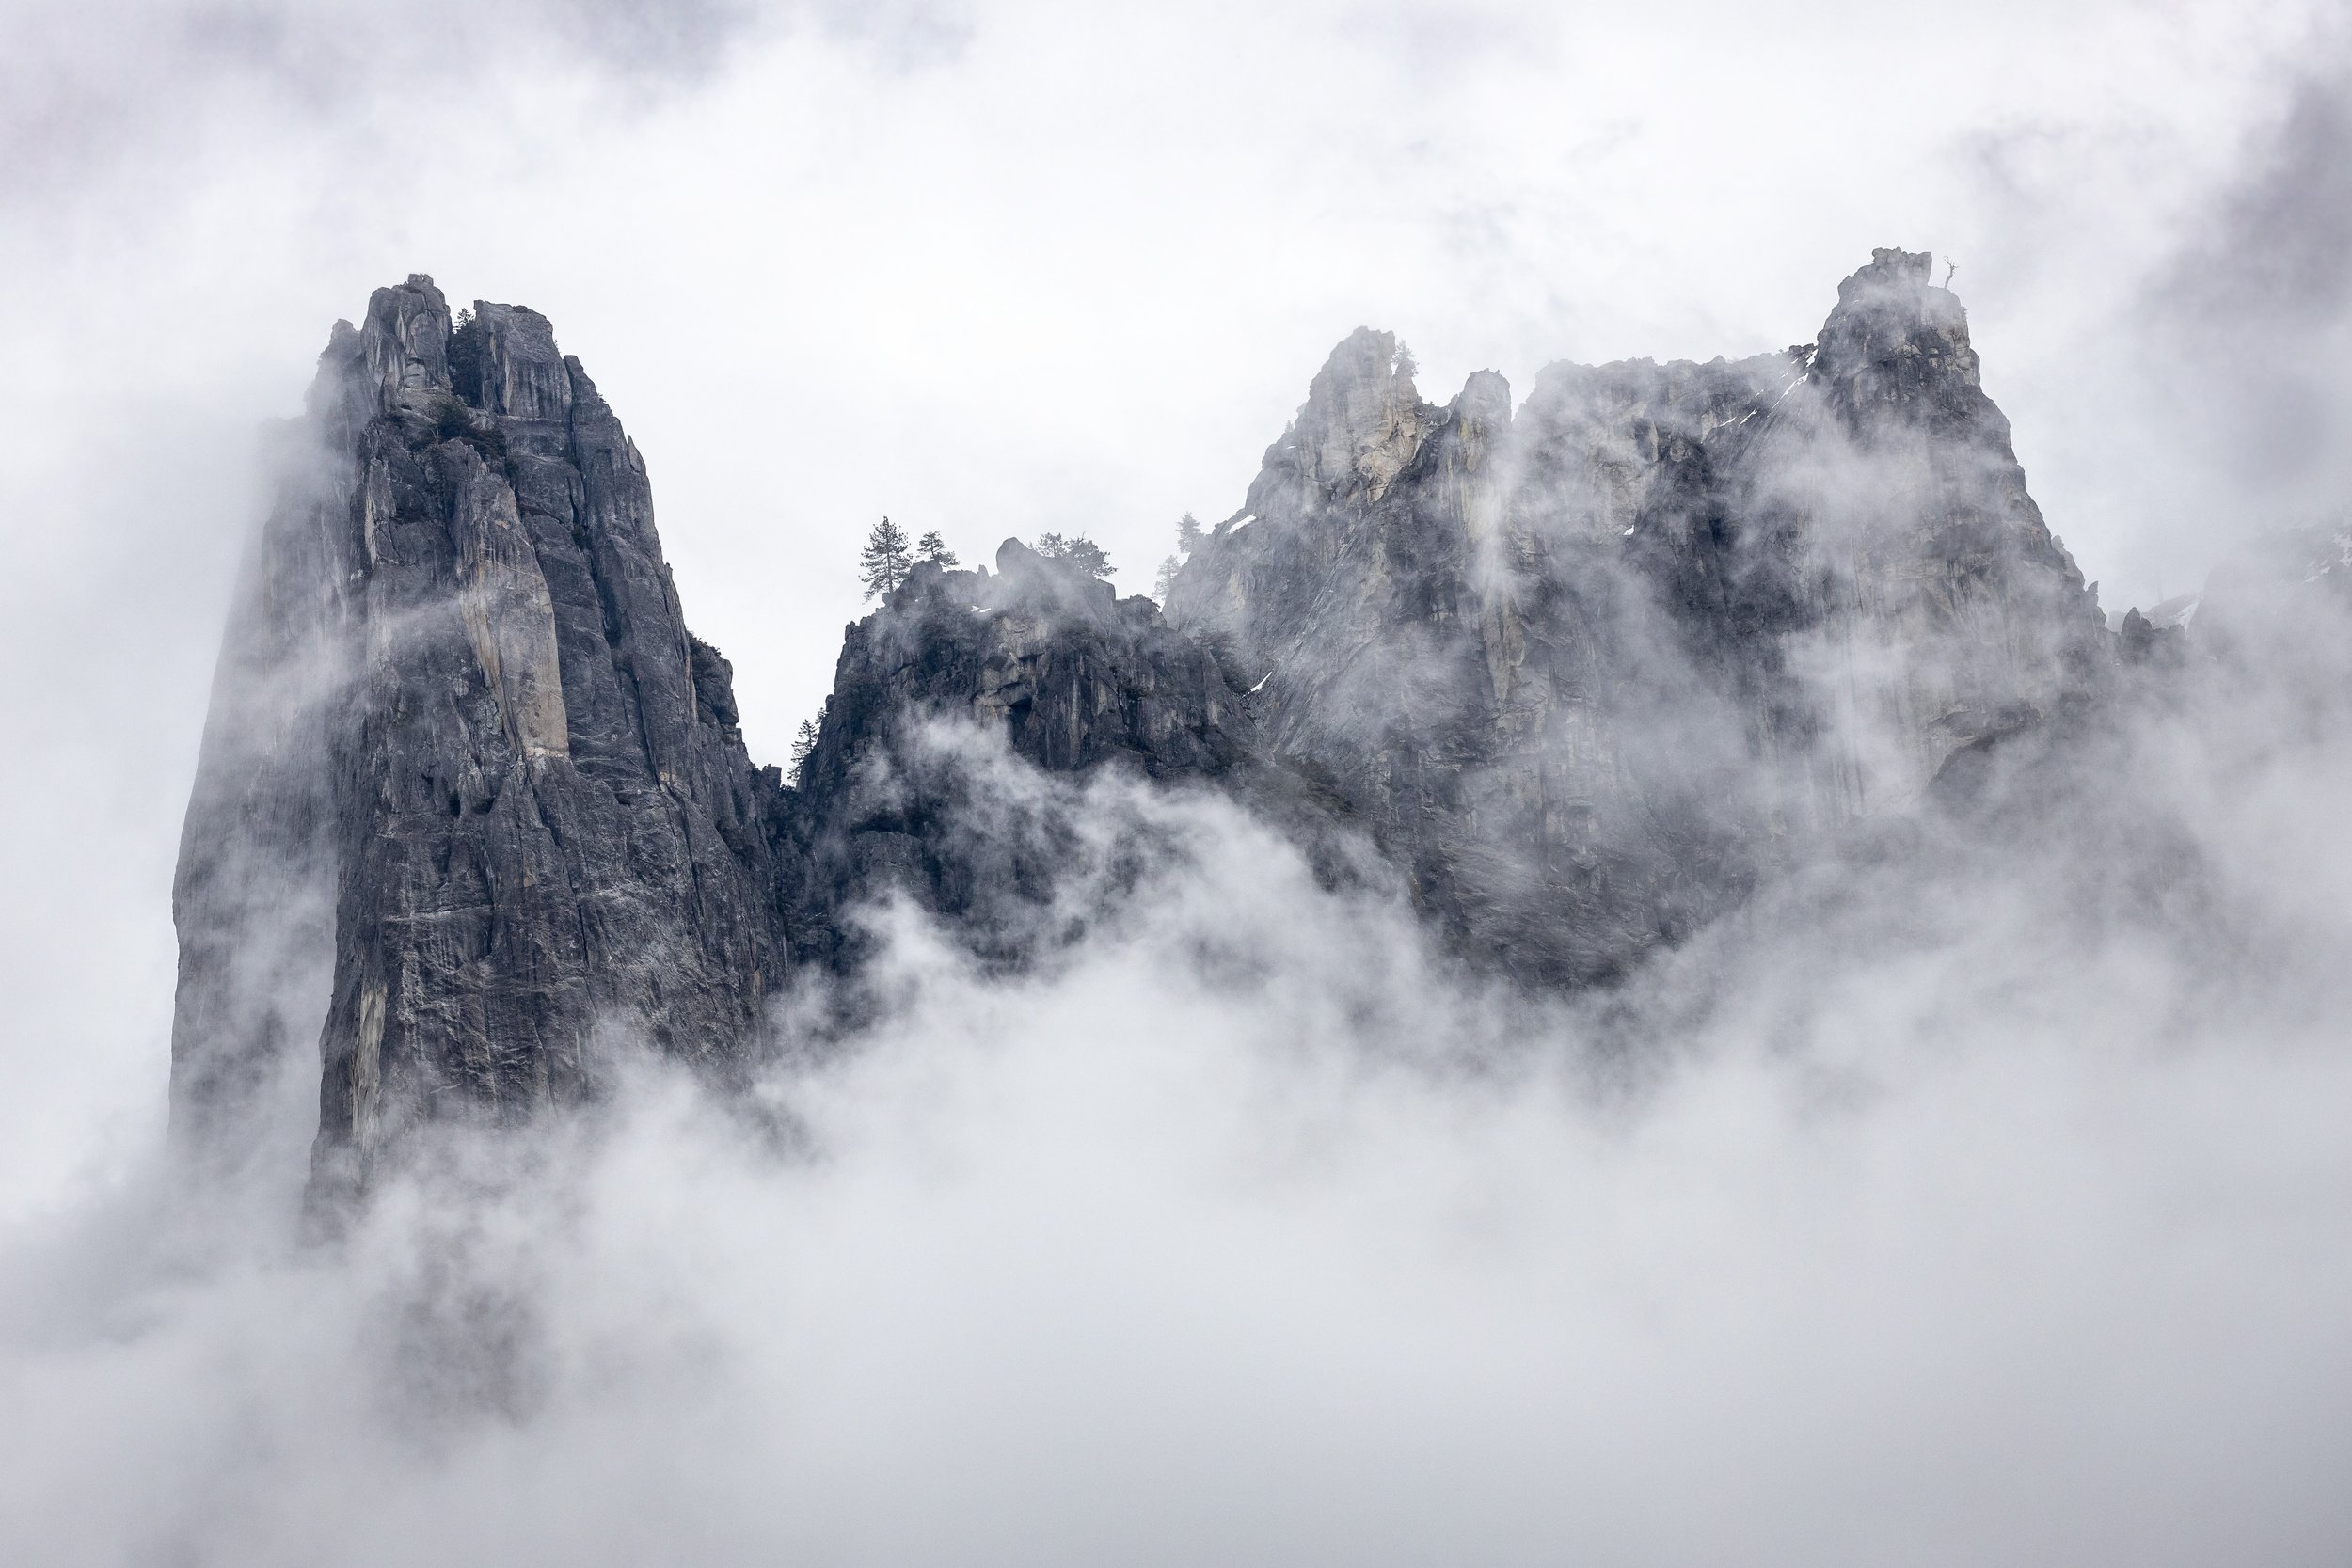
[1589, 671]
[1575, 676]
[892, 797]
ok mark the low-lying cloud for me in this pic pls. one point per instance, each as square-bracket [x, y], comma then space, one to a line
[1992, 1213]
[1950, 1206]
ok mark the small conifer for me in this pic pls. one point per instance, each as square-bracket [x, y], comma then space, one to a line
[1079, 551]
[885, 560]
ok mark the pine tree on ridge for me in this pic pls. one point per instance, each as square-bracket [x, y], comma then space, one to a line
[885, 560]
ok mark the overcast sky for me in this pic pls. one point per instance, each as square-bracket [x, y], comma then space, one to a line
[1000, 268]
[997, 268]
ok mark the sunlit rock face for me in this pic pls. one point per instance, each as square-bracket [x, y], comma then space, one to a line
[1574, 676]
[461, 728]
[1589, 670]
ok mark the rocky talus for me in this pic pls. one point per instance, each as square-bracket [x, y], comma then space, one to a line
[1574, 674]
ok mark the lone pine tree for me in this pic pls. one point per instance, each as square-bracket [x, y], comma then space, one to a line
[886, 559]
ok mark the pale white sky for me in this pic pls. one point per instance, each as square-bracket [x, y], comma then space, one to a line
[995, 268]
[1998, 1224]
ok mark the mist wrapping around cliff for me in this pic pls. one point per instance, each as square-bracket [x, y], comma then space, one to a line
[1953, 1230]
[1994, 1210]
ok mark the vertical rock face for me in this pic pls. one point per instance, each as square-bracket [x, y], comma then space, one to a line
[1947, 610]
[459, 708]
[1589, 672]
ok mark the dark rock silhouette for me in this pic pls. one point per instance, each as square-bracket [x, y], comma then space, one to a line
[1039, 654]
[461, 727]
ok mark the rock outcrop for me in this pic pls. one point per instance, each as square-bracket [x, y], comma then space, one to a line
[465, 752]
[473, 799]
[1039, 665]
[1590, 670]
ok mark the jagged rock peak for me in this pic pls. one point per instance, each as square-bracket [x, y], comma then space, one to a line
[1891, 269]
[505, 362]
[1479, 625]
[460, 722]
[1361, 422]
[405, 338]
[1898, 342]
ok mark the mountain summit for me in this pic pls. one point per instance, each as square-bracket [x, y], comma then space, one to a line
[1573, 678]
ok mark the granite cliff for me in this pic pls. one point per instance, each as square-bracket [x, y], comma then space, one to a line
[464, 759]
[1590, 670]
[1573, 676]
